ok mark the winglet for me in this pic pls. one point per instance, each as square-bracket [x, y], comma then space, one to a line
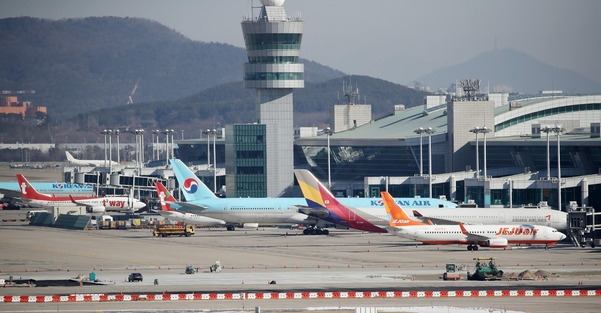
[397, 215]
[417, 214]
[72, 200]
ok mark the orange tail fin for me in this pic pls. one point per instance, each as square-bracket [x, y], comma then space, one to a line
[398, 216]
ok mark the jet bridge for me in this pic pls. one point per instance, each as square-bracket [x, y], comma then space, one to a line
[584, 226]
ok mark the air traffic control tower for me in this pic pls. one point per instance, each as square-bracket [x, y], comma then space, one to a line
[273, 43]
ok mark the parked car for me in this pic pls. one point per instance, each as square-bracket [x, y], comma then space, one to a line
[135, 277]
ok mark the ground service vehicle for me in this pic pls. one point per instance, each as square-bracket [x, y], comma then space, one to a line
[451, 272]
[485, 271]
[135, 277]
[173, 230]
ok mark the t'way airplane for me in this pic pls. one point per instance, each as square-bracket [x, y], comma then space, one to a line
[316, 193]
[166, 200]
[92, 204]
[493, 236]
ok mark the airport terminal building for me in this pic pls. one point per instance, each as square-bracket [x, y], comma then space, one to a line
[493, 150]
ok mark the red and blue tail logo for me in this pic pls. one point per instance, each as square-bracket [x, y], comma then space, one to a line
[190, 185]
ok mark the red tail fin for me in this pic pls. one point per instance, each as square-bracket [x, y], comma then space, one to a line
[27, 190]
[398, 216]
[164, 195]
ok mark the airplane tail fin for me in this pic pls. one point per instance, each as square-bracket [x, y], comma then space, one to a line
[398, 217]
[164, 196]
[194, 188]
[316, 194]
[70, 157]
[27, 190]
[319, 197]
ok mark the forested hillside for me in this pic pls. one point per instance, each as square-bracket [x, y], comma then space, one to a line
[83, 65]
[84, 70]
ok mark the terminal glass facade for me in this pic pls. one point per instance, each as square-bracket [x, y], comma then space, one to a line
[246, 165]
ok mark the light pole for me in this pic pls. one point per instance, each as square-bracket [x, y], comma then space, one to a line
[547, 130]
[118, 133]
[556, 129]
[141, 148]
[172, 132]
[429, 131]
[214, 132]
[156, 132]
[110, 132]
[420, 131]
[208, 133]
[480, 130]
[104, 132]
[329, 133]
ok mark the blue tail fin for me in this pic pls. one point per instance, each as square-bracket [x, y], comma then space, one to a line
[192, 187]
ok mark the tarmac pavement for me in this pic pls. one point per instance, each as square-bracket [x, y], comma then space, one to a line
[251, 258]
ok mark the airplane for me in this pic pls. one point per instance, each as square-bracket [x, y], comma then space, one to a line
[13, 190]
[492, 236]
[98, 163]
[167, 200]
[439, 215]
[201, 199]
[93, 204]
[323, 204]
[248, 212]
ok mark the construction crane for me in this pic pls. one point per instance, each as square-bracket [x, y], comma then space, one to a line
[130, 99]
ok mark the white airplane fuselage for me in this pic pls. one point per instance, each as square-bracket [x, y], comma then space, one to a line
[478, 216]
[452, 234]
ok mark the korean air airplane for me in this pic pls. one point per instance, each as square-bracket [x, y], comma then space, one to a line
[252, 212]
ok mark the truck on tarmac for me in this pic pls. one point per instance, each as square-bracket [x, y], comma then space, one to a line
[173, 230]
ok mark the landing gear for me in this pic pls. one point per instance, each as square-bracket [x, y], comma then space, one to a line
[313, 230]
[230, 227]
[472, 247]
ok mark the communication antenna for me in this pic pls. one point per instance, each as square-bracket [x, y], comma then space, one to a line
[351, 95]
[470, 87]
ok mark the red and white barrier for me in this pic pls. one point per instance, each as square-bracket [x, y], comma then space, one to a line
[304, 295]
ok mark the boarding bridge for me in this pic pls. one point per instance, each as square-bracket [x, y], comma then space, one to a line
[584, 226]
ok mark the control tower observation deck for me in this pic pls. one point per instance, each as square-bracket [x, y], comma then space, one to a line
[273, 43]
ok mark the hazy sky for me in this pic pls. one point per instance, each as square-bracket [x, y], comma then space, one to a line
[396, 40]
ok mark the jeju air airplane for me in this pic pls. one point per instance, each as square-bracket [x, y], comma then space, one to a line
[493, 236]
[92, 204]
[168, 203]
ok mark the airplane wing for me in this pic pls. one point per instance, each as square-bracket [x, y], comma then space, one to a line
[89, 207]
[9, 193]
[434, 220]
[473, 237]
[320, 213]
[191, 206]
